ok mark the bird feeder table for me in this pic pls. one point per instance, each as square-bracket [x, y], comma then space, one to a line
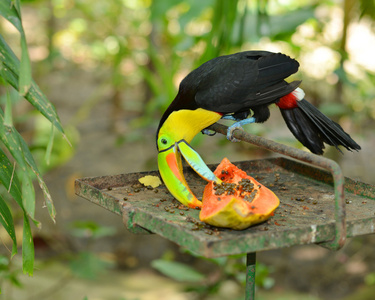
[313, 208]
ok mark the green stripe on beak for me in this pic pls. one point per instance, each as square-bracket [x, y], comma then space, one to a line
[170, 168]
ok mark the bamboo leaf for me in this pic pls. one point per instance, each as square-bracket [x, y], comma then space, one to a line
[6, 220]
[31, 163]
[8, 9]
[8, 120]
[10, 69]
[17, 5]
[9, 179]
[21, 153]
[10, 139]
[18, 74]
[27, 248]
[50, 145]
[24, 82]
[9, 60]
[28, 195]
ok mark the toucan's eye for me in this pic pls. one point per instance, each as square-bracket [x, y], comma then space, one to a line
[164, 142]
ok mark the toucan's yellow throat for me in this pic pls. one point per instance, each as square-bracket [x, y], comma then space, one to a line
[173, 140]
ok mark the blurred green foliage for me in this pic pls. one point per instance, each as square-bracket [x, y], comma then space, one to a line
[370, 278]
[85, 263]
[8, 273]
[91, 230]
[223, 269]
[143, 48]
[178, 271]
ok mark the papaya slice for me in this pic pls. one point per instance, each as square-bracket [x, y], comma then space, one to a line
[238, 202]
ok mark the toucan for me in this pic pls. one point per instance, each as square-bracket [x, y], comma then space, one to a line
[239, 87]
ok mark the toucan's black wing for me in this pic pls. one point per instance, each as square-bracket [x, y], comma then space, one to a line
[243, 80]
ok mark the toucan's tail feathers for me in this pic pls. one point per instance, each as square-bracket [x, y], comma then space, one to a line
[303, 129]
[312, 128]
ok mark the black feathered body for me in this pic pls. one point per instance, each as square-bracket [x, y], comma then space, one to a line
[237, 83]
[250, 81]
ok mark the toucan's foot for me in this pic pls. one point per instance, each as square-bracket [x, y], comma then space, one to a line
[236, 126]
[230, 131]
[229, 117]
[208, 132]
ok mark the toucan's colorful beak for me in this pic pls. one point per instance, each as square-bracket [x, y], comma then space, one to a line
[170, 168]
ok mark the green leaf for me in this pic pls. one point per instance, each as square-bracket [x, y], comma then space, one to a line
[28, 195]
[24, 82]
[9, 179]
[21, 153]
[177, 271]
[6, 220]
[9, 137]
[27, 248]
[50, 145]
[31, 162]
[10, 69]
[8, 120]
[17, 5]
[8, 9]
[367, 8]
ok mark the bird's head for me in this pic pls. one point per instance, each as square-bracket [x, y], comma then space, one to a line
[173, 138]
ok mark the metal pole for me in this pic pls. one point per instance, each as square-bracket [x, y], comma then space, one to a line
[250, 276]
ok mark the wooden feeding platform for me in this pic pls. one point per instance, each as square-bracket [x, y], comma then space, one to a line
[317, 205]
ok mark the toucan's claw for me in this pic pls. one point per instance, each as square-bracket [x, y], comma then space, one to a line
[229, 117]
[230, 132]
[238, 126]
[208, 132]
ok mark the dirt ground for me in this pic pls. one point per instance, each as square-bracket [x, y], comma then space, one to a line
[300, 272]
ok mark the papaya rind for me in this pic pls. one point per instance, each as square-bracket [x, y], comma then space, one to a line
[235, 212]
[236, 215]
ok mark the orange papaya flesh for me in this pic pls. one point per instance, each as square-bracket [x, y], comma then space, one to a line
[238, 202]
